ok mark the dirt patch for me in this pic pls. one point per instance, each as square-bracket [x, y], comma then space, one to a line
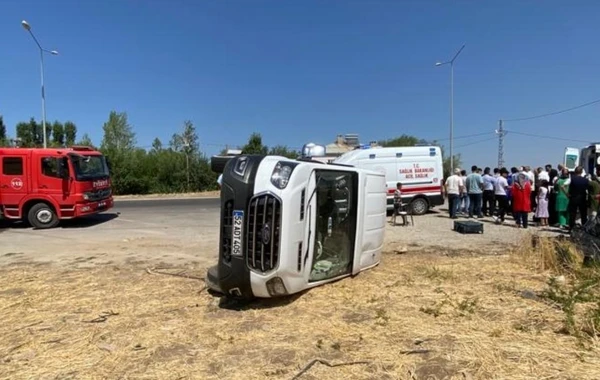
[173, 352]
[11, 254]
[12, 292]
[437, 368]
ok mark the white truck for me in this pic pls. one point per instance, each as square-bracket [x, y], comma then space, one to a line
[587, 157]
[290, 225]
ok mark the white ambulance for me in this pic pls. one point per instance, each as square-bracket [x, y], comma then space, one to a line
[418, 168]
[587, 157]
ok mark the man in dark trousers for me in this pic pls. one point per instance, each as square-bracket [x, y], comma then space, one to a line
[553, 215]
[578, 197]
[489, 202]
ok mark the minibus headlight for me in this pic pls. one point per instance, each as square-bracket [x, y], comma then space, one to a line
[282, 173]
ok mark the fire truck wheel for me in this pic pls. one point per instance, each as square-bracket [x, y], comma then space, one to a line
[42, 216]
[419, 206]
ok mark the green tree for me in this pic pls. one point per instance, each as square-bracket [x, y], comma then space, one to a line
[70, 133]
[3, 136]
[190, 138]
[457, 162]
[156, 146]
[404, 140]
[255, 145]
[26, 135]
[281, 150]
[58, 134]
[37, 132]
[176, 142]
[86, 140]
[118, 134]
[187, 144]
[128, 164]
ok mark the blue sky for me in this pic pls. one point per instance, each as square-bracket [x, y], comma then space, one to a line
[300, 71]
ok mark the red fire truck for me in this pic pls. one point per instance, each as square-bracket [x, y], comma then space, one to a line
[44, 186]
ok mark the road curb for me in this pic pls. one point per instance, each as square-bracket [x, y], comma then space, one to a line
[161, 199]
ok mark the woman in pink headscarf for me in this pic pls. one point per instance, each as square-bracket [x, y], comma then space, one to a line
[521, 196]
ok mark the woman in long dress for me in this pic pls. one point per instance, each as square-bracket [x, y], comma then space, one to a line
[562, 199]
[541, 211]
[521, 192]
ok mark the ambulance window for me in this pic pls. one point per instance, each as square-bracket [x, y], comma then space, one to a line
[50, 167]
[12, 166]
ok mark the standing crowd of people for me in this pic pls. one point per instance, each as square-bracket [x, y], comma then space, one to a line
[556, 197]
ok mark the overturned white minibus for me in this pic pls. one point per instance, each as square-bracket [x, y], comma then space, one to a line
[289, 225]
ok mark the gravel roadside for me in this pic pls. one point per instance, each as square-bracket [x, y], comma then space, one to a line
[435, 230]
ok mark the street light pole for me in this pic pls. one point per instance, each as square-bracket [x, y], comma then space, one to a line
[451, 62]
[42, 51]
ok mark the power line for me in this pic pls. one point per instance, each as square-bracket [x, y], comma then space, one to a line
[502, 133]
[465, 136]
[547, 137]
[555, 113]
[477, 142]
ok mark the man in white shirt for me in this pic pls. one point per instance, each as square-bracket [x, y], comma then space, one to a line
[543, 175]
[489, 201]
[454, 187]
[500, 188]
[527, 170]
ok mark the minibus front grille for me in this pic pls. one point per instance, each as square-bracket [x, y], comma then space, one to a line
[264, 226]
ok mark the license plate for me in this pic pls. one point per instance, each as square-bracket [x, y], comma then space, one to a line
[101, 204]
[238, 227]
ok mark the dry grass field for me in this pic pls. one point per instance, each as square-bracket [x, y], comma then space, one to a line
[418, 315]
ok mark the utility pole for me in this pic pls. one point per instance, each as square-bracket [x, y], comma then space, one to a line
[27, 27]
[501, 133]
[451, 63]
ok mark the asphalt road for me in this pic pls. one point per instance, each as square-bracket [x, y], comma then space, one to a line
[159, 230]
[173, 211]
[172, 204]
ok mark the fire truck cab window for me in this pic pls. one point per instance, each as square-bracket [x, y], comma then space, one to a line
[12, 166]
[335, 224]
[50, 167]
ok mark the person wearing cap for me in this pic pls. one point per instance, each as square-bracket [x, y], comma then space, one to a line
[454, 186]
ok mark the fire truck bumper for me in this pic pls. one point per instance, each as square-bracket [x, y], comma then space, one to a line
[94, 207]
